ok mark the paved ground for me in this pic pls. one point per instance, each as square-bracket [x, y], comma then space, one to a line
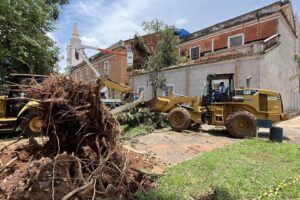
[171, 147]
[291, 130]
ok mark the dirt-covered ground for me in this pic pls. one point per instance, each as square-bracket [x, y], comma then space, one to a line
[169, 147]
[15, 176]
[150, 153]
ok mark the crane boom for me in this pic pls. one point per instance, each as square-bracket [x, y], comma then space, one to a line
[124, 89]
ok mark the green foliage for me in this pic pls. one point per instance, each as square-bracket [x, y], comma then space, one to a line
[141, 53]
[129, 133]
[24, 45]
[246, 170]
[154, 26]
[165, 53]
[139, 115]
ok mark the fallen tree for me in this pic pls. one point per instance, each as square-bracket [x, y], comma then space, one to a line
[128, 106]
[143, 114]
[82, 156]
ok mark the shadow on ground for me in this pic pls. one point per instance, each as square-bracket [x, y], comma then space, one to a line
[217, 133]
[216, 194]
[225, 133]
[267, 135]
[9, 136]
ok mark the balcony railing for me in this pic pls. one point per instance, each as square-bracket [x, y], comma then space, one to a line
[257, 47]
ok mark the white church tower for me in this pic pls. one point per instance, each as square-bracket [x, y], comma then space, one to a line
[73, 43]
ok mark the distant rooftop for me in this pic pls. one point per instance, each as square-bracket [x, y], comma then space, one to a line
[256, 14]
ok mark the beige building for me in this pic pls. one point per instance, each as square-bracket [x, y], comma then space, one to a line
[258, 47]
[112, 66]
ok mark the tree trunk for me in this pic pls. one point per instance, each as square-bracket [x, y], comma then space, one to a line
[128, 106]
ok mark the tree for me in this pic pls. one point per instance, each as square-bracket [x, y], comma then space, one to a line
[24, 45]
[165, 53]
[141, 52]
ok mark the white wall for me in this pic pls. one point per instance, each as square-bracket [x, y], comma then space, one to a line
[298, 34]
[278, 66]
[272, 70]
[142, 81]
[198, 74]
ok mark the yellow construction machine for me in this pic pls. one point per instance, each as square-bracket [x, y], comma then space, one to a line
[19, 112]
[239, 110]
[16, 110]
[127, 93]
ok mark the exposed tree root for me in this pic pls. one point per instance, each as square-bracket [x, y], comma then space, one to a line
[86, 158]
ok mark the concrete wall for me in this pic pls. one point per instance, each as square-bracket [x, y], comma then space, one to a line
[142, 81]
[190, 80]
[247, 67]
[298, 34]
[278, 66]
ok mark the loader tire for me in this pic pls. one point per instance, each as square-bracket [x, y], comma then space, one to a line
[179, 119]
[31, 124]
[241, 124]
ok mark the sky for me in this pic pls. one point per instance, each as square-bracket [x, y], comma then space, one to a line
[102, 23]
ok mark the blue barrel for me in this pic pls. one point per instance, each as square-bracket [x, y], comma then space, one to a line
[276, 134]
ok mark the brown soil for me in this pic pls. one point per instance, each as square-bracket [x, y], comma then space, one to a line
[82, 156]
[170, 147]
[15, 177]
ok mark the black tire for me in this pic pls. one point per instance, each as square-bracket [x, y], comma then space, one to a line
[179, 119]
[25, 124]
[241, 124]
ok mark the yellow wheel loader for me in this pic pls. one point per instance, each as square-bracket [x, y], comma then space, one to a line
[239, 110]
[17, 112]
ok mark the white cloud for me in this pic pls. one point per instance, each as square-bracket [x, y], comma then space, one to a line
[102, 23]
[89, 41]
[180, 22]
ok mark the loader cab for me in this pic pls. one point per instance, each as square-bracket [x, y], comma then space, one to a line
[13, 98]
[16, 100]
[12, 95]
[218, 88]
[23, 79]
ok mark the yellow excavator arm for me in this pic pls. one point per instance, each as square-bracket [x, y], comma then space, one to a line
[124, 89]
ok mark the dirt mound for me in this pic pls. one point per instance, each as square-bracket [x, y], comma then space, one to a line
[82, 156]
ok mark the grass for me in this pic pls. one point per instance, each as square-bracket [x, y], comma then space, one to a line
[128, 132]
[244, 170]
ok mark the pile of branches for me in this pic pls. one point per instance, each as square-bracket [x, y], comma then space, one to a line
[86, 158]
[143, 114]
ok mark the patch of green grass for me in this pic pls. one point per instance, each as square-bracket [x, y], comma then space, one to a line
[128, 132]
[244, 170]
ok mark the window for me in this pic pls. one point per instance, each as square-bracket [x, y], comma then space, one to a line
[106, 68]
[169, 89]
[236, 40]
[88, 74]
[194, 53]
[140, 90]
